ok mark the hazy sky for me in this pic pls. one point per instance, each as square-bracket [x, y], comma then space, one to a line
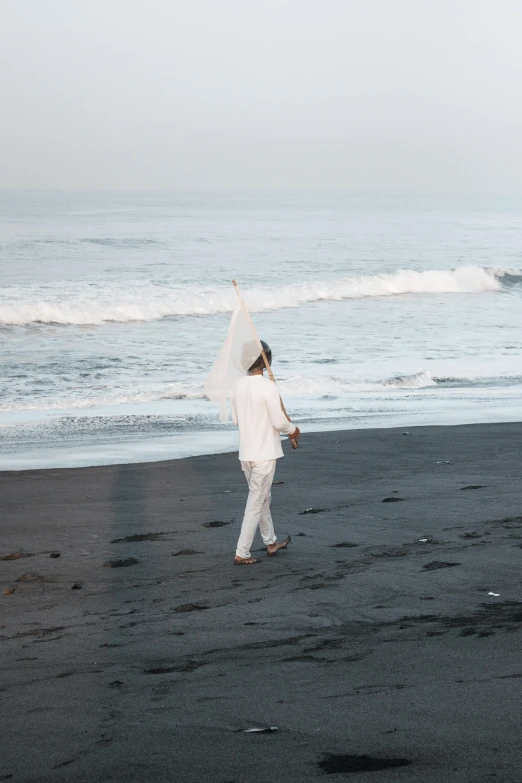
[292, 94]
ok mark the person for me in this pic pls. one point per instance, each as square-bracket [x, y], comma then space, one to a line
[256, 409]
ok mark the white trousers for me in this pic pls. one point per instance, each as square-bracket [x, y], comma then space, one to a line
[259, 476]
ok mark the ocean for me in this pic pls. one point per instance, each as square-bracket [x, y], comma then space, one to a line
[382, 310]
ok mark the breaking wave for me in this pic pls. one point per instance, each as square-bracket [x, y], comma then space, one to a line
[327, 384]
[293, 385]
[105, 397]
[97, 303]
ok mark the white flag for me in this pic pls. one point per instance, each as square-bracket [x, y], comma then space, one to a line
[238, 353]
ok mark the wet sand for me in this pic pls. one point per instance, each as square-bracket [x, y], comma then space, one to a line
[374, 635]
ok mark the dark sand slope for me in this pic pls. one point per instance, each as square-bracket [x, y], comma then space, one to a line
[356, 641]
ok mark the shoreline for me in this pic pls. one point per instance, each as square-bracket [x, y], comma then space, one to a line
[226, 436]
[390, 628]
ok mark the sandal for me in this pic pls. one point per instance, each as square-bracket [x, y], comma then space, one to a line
[278, 545]
[245, 560]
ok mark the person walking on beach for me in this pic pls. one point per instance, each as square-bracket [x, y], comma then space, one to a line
[256, 409]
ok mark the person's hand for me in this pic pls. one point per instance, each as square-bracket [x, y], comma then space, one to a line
[295, 435]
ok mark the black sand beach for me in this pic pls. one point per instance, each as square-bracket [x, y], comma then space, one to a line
[374, 635]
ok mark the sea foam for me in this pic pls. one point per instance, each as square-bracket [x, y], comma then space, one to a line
[294, 385]
[92, 303]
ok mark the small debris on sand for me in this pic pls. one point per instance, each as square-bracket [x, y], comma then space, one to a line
[16, 556]
[29, 578]
[190, 608]
[438, 564]
[392, 500]
[76, 586]
[9, 591]
[129, 561]
[138, 537]
[186, 552]
[217, 523]
[335, 764]
[264, 730]
[188, 666]
[54, 554]
[312, 510]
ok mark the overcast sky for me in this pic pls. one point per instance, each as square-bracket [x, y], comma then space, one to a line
[286, 94]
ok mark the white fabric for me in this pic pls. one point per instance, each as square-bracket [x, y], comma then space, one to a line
[239, 352]
[256, 408]
[259, 476]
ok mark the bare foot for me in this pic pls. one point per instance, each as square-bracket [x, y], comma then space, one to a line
[272, 549]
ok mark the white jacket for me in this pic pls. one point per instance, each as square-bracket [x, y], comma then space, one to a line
[256, 408]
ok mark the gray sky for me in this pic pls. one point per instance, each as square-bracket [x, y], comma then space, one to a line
[291, 94]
